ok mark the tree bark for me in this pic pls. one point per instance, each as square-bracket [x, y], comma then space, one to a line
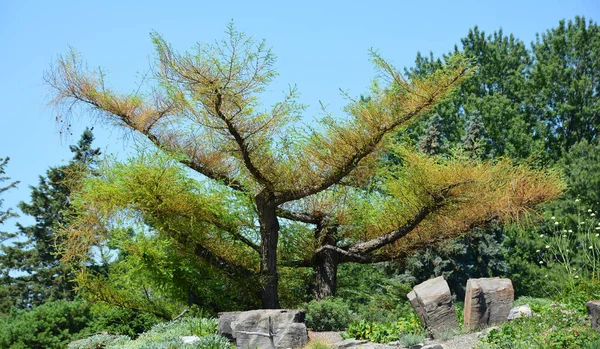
[325, 263]
[266, 206]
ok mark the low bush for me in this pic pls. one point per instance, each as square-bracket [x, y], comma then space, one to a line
[384, 332]
[554, 326]
[330, 314]
[51, 325]
[163, 335]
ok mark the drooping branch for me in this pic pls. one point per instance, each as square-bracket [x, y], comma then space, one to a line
[439, 199]
[220, 263]
[75, 83]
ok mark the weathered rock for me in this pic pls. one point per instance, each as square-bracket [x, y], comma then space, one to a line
[348, 343]
[288, 326]
[593, 308]
[189, 339]
[415, 346]
[412, 298]
[433, 346]
[488, 301]
[522, 311]
[361, 344]
[433, 304]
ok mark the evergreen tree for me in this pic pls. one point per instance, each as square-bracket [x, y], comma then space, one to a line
[8, 213]
[433, 142]
[40, 275]
[566, 83]
[5, 236]
[475, 140]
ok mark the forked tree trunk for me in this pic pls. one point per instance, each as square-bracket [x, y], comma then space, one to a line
[325, 264]
[269, 232]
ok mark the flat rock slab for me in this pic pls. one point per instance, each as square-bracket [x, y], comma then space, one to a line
[356, 344]
[432, 302]
[288, 326]
[593, 308]
[488, 301]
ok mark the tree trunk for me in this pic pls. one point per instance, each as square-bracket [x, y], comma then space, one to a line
[325, 263]
[269, 233]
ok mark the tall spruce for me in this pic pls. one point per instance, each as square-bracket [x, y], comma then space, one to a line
[32, 272]
[475, 139]
[5, 215]
[433, 142]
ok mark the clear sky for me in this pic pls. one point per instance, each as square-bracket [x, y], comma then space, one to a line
[321, 45]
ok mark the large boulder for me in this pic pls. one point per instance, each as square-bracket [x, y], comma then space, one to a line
[432, 302]
[488, 301]
[244, 328]
[593, 308]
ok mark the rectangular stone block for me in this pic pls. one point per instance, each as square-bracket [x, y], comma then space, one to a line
[488, 301]
[432, 302]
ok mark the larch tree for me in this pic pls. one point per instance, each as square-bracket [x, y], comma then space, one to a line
[205, 108]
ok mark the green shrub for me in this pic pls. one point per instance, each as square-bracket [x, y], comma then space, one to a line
[384, 332]
[330, 314]
[51, 325]
[100, 341]
[410, 339]
[557, 326]
[121, 321]
[213, 341]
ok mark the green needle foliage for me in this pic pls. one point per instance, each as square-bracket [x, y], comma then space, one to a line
[32, 272]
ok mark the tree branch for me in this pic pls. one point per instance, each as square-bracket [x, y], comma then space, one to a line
[242, 145]
[439, 200]
[303, 217]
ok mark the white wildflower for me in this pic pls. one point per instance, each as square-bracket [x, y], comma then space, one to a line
[552, 218]
[547, 246]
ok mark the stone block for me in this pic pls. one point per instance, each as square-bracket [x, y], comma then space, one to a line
[488, 301]
[593, 308]
[241, 328]
[432, 302]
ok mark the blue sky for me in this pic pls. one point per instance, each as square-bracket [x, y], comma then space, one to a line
[321, 47]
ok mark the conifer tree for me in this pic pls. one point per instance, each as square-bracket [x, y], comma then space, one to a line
[5, 237]
[206, 111]
[433, 141]
[475, 140]
[31, 266]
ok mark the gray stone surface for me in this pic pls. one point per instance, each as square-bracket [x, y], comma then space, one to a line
[432, 302]
[433, 346]
[488, 301]
[288, 326]
[189, 339]
[522, 311]
[360, 344]
[593, 308]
